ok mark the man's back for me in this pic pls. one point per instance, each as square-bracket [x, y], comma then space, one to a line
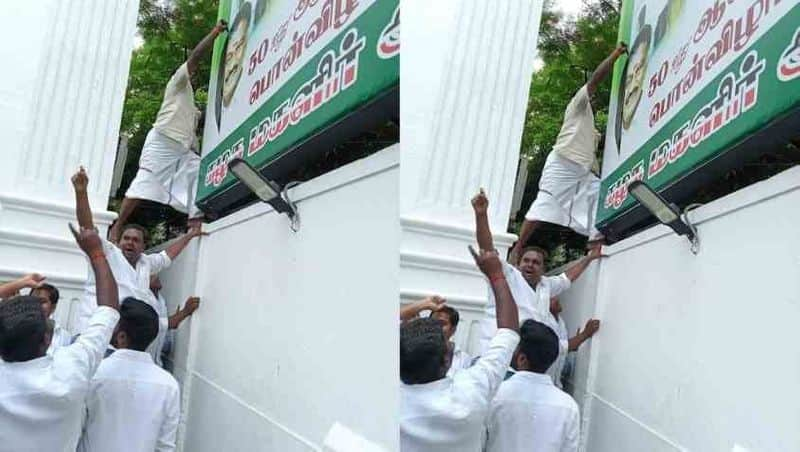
[132, 405]
[449, 414]
[41, 400]
[530, 414]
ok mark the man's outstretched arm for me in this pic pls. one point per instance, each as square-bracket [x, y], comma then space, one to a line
[412, 310]
[577, 270]
[202, 47]
[582, 336]
[175, 249]
[604, 69]
[505, 306]
[92, 246]
[12, 288]
[80, 182]
[180, 315]
[480, 204]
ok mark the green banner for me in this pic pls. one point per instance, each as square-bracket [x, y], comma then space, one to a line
[761, 83]
[358, 64]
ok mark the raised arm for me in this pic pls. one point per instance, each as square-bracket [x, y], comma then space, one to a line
[411, 311]
[480, 204]
[12, 288]
[604, 68]
[175, 249]
[577, 270]
[202, 47]
[91, 244]
[80, 182]
[505, 306]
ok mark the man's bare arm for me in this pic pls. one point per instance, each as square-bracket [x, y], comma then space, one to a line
[202, 47]
[412, 310]
[106, 285]
[80, 183]
[480, 204]
[604, 69]
[175, 249]
[180, 315]
[12, 288]
[577, 270]
[582, 336]
[505, 306]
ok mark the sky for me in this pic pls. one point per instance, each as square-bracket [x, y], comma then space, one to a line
[569, 7]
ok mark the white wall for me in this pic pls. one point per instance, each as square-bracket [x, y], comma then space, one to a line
[697, 352]
[295, 331]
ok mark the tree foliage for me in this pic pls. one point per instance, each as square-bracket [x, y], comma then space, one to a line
[570, 50]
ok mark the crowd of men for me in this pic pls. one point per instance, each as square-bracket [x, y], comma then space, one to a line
[99, 385]
[509, 398]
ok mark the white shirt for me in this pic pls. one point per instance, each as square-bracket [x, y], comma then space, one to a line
[557, 368]
[532, 304]
[41, 400]
[449, 414]
[578, 139]
[157, 345]
[530, 414]
[178, 115]
[131, 282]
[460, 360]
[132, 406]
[61, 338]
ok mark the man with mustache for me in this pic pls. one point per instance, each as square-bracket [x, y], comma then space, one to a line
[131, 267]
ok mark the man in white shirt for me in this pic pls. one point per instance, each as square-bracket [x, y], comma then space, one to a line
[165, 321]
[48, 294]
[568, 188]
[459, 359]
[168, 164]
[532, 290]
[131, 267]
[133, 405]
[529, 413]
[42, 396]
[444, 414]
[571, 344]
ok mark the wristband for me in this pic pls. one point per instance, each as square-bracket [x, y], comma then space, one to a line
[97, 255]
[497, 278]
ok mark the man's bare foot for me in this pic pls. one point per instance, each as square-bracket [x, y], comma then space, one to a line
[193, 223]
[596, 242]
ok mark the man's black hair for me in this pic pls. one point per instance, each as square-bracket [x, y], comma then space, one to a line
[452, 314]
[542, 252]
[539, 344]
[137, 227]
[50, 289]
[22, 328]
[139, 321]
[423, 351]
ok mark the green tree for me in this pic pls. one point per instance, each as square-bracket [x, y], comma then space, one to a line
[168, 33]
[570, 51]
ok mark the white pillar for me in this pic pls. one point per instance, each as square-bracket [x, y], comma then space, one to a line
[61, 95]
[466, 71]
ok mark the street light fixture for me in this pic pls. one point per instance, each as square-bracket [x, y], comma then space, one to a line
[667, 213]
[265, 189]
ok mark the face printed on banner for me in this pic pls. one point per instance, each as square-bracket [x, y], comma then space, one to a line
[234, 56]
[634, 82]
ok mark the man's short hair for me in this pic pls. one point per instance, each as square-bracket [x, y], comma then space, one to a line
[422, 351]
[51, 291]
[539, 344]
[452, 315]
[542, 252]
[22, 328]
[139, 321]
[137, 227]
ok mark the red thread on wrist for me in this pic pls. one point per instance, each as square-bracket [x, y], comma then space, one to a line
[97, 255]
[497, 278]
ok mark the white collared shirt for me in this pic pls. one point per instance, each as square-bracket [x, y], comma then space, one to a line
[178, 115]
[532, 304]
[132, 406]
[578, 139]
[530, 414]
[41, 400]
[131, 282]
[460, 360]
[557, 368]
[449, 414]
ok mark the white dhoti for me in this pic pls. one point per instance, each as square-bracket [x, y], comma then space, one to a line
[167, 174]
[567, 196]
